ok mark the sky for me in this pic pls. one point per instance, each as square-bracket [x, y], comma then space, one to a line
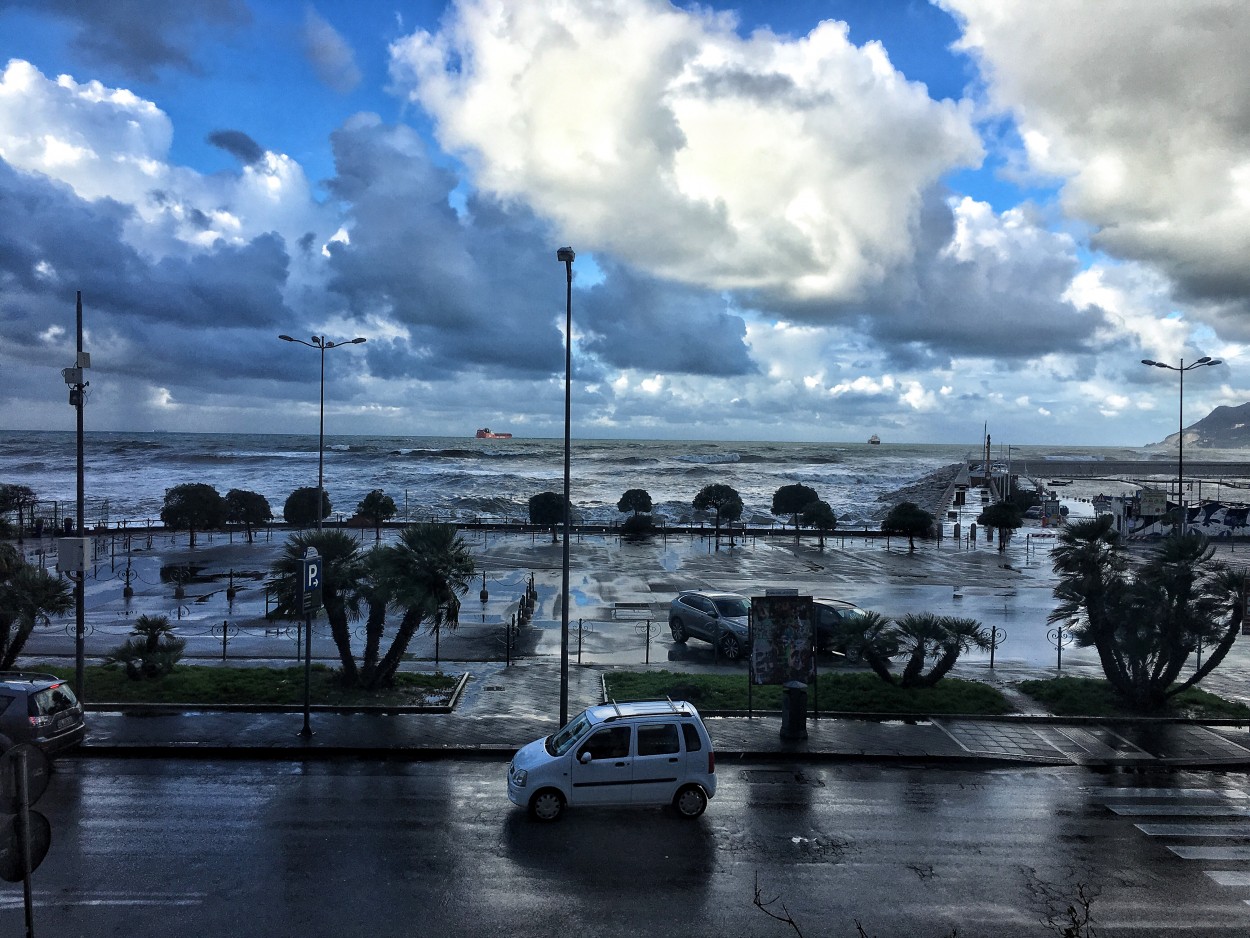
[801, 221]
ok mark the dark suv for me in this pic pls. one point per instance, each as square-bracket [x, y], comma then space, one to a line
[40, 709]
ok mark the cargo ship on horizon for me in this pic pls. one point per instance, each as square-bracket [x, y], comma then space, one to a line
[486, 434]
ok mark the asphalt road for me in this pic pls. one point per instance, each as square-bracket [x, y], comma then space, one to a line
[369, 848]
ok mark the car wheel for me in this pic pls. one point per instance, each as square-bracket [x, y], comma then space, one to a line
[690, 801]
[678, 629]
[730, 647]
[547, 805]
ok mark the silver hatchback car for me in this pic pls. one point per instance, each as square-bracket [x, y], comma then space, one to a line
[719, 618]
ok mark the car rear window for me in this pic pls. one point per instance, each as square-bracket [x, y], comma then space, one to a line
[53, 700]
[691, 734]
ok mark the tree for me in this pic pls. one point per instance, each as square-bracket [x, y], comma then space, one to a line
[547, 509]
[342, 573]
[424, 575]
[1005, 517]
[29, 596]
[635, 500]
[248, 509]
[1146, 621]
[910, 519]
[151, 652]
[791, 500]
[723, 500]
[920, 637]
[377, 507]
[17, 498]
[301, 506]
[196, 506]
[819, 515]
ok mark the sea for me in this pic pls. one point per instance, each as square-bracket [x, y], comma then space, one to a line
[467, 479]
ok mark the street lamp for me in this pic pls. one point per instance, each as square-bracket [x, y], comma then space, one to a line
[1180, 436]
[319, 342]
[565, 256]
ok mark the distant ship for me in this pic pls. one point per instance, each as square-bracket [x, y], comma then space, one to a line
[486, 434]
[874, 439]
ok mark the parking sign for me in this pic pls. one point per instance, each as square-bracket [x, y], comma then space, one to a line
[310, 582]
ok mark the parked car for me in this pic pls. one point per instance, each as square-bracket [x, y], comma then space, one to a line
[40, 709]
[838, 624]
[718, 618]
[654, 752]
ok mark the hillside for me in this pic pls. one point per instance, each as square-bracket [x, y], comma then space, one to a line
[1223, 428]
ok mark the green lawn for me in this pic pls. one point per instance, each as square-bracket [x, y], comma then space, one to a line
[197, 684]
[1079, 696]
[854, 693]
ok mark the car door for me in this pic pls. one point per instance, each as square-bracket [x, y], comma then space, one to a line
[602, 770]
[704, 618]
[659, 763]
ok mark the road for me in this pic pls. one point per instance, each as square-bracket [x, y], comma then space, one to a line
[165, 847]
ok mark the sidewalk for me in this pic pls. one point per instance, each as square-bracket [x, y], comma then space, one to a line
[504, 707]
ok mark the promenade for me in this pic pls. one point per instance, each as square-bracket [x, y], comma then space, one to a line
[619, 596]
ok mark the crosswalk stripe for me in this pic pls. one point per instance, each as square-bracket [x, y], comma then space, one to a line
[1229, 878]
[107, 899]
[1234, 793]
[1194, 830]
[1181, 810]
[1212, 853]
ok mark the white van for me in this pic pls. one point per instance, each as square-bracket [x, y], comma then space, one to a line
[646, 752]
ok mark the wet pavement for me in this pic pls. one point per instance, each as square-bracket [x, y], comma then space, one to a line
[619, 596]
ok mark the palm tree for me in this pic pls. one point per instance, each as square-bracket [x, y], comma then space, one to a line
[29, 596]
[1146, 622]
[341, 575]
[922, 637]
[423, 574]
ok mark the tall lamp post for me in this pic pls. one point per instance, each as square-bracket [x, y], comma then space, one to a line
[319, 342]
[565, 256]
[1180, 436]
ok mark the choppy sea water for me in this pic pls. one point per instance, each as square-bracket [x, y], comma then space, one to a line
[126, 474]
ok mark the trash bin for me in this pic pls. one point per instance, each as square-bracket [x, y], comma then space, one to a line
[794, 710]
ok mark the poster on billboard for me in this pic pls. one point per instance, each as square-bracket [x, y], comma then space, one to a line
[781, 647]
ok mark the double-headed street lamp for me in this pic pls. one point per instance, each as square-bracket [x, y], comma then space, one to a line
[319, 342]
[1180, 436]
[565, 256]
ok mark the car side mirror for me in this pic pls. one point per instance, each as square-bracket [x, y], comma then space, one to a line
[584, 758]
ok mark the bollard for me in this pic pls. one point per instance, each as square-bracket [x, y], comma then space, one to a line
[579, 641]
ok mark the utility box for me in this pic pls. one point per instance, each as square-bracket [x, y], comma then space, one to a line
[72, 554]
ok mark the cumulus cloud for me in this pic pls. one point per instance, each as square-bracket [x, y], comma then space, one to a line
[796, 165]
[1139, 107]
[138, 36]
[331, 57]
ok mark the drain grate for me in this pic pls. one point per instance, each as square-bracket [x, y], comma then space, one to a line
[493, 687]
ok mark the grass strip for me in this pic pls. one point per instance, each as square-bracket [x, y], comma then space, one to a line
[1082, 696]
[195, 684]
[851, 693]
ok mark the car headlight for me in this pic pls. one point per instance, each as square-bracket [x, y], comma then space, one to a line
[519, 777]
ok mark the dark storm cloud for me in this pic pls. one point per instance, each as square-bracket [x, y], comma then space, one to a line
[140, 36]
[636, 321]
[331, 57]
[485, 290]
[163, 317]
[237, 144]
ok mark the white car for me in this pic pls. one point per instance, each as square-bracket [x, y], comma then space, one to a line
[641, 753]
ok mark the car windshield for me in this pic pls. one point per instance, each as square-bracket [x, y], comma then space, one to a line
[563, 741]
[732, 607]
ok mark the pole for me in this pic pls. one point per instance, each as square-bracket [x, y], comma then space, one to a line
[307, 730]
[80, 585]
[321, 437]
[1180, 454]
[566, 255]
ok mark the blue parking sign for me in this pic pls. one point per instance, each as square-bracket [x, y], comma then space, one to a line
[310, 583]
